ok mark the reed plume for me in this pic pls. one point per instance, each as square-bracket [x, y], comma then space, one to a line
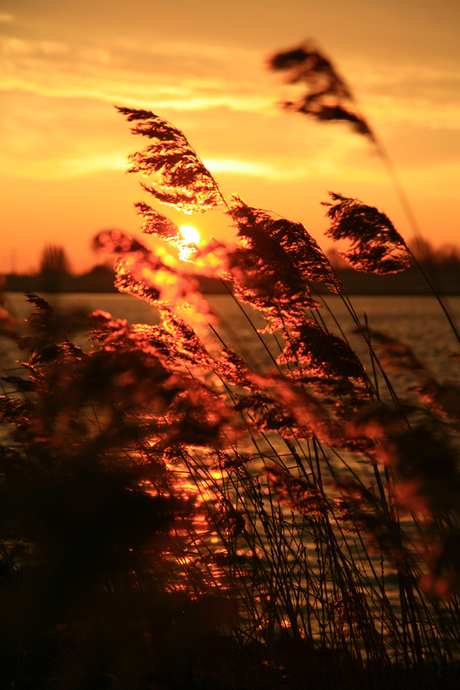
[328, 98]
[184, 181]
[376, 245]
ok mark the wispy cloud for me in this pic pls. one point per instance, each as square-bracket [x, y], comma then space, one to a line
[270, 171]
[189, 76]
[178, 77]
[65, 168]
[17, 47]
[407, 93]
[91, 163]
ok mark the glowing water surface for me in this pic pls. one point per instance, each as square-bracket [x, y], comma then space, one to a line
[418, 321]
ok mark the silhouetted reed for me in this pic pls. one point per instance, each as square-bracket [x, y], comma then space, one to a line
[172, 517]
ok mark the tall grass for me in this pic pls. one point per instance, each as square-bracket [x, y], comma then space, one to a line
[174, 517]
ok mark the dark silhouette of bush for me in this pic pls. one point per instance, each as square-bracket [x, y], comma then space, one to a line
[54, 261]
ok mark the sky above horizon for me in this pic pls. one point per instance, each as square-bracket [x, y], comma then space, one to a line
[202, 66]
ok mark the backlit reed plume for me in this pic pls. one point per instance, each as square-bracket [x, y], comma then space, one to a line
[376, 245]
[183, 182]
[328, 98]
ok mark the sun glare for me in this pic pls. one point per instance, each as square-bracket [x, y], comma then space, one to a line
[189, 234]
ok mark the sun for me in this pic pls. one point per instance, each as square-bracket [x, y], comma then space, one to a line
[189, 234]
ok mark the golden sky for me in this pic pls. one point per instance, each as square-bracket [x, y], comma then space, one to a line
[201, 64]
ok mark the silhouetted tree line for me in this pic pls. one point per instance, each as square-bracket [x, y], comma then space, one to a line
[446, 257]
[443, 258]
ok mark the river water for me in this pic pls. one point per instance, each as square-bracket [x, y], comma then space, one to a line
[418, 321]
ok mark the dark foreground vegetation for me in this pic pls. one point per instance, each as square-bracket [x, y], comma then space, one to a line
[173, 518]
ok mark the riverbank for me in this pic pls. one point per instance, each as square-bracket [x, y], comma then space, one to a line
[410, 282]
[88, 283]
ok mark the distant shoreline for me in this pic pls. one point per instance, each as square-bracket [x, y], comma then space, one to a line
[410, 282]
[93, 282]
